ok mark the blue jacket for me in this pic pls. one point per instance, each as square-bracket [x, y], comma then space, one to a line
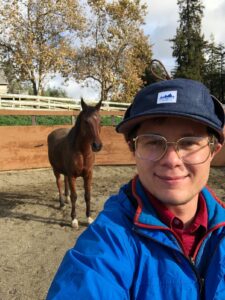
[128, 253]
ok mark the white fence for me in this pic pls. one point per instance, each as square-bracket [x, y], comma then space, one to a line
[16, 101]
[27, 102]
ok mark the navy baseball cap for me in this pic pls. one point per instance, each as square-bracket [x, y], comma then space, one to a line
[177, 97]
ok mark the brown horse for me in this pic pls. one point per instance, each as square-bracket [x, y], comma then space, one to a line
[71, 153]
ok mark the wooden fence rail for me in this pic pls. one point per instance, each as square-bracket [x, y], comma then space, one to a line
[25, 147]
[27, 102]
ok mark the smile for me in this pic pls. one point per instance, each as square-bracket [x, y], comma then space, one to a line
[171, 179]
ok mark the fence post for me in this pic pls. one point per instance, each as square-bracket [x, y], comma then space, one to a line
[73, 119]
[33, 118]
[113, 121]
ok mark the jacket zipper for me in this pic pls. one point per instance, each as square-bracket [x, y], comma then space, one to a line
[201, 280]
[189, 259]
[211, 258]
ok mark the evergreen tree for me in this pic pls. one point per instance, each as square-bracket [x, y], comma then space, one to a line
[220, 52]
[214, 77]
[188, 44]
[211, 68]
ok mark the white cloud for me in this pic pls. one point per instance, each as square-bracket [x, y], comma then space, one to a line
[73, 89]
[214, 19]
[76, 90]
[162, 21]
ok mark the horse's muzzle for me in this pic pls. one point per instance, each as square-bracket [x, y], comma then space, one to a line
[96, 147]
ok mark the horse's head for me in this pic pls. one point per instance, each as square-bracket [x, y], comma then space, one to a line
[91, 122]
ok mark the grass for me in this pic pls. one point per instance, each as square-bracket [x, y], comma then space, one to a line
[50, 120]
[40, 120]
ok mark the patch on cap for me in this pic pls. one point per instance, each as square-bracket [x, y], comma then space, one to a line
[167, 97]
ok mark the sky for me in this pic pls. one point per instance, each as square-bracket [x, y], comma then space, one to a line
[160, 25]
[162, 21]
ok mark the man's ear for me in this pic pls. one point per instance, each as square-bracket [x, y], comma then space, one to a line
[131, 146]
[216, 149]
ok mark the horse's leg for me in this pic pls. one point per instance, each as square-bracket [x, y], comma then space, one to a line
[66, 184]
[73, 198]
[60, 189]
[87, 195]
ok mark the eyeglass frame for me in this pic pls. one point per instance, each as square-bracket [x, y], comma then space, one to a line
[211, 145]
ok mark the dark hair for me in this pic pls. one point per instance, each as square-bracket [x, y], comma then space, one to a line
[212, 132]
[130, 135]
[214, 138]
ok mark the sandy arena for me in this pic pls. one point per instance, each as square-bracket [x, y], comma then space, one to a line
[35, 233]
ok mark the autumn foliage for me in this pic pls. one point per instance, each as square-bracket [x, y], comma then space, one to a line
[100, 42]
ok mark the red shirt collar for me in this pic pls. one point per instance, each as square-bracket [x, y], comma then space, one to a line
[168, 218]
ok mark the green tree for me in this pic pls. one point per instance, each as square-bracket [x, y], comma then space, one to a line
[14, 85]
[36, 35]
[214, 75]
[115, 52]
[211, 77]
[55, 92]
[188, 44]
[220, 52]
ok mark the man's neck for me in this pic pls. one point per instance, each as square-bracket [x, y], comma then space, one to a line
[185, 212]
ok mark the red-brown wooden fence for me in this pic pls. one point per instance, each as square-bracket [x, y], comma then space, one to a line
[25, 147]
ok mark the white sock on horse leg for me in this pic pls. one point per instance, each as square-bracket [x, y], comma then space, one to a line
[75, 223]
[90, 220]
[67, 199]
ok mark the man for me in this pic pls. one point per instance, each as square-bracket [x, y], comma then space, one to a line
[163, 235]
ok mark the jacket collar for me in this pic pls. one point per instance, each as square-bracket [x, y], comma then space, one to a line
[145, 216]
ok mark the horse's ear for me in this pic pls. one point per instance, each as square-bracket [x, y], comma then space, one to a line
[83, 104]
[98, 105]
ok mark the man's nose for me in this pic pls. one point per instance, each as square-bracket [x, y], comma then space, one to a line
[171, 155]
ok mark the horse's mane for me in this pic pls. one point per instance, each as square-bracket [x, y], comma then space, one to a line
[75, 130]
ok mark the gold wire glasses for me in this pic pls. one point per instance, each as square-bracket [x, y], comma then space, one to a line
[191, 150]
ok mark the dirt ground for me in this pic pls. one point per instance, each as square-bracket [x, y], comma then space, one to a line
[35, 234]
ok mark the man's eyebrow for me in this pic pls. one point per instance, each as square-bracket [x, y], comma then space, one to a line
[187, 134]
[190, 134]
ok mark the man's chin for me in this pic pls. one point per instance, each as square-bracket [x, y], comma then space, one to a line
[172, 199]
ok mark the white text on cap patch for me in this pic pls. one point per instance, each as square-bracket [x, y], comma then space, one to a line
[167, 97]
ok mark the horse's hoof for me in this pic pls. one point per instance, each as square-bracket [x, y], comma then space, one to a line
[90, 220]
[67, 199]
[62, 206]
[75, 223]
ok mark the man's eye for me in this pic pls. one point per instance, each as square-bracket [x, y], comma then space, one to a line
[153, 143]
[189, 143]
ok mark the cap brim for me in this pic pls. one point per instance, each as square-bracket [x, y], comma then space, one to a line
[130, 123]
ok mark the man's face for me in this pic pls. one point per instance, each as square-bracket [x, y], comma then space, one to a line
[169, 179]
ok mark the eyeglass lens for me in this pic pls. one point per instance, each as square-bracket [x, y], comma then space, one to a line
[192, 150]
